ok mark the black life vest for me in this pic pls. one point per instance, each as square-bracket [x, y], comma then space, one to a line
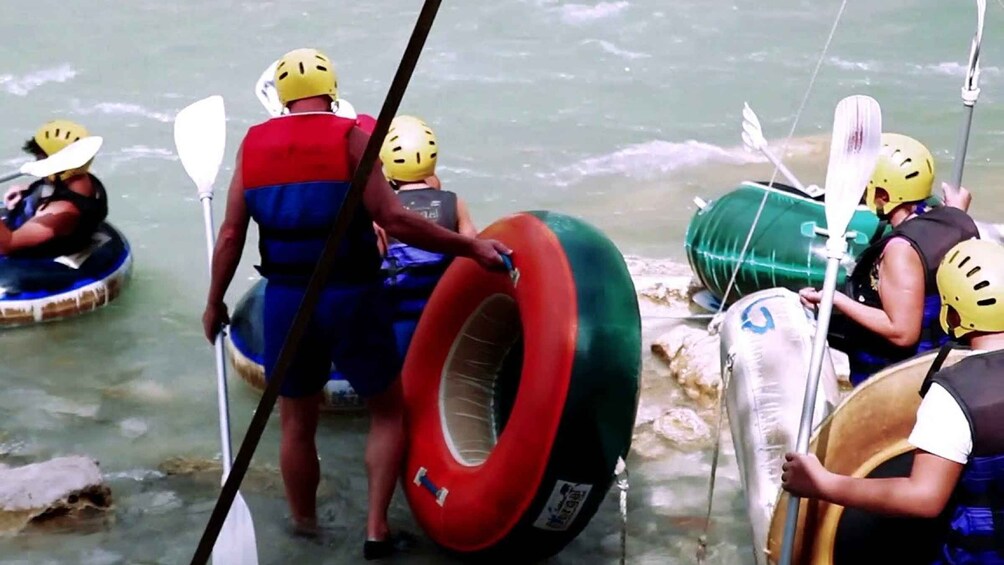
[931, 235]
[411, 273]
[93, 211]
[976, 532]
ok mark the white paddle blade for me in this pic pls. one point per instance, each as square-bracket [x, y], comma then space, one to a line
[265, 90]
[200, 136]
[748, 143]
[854, 151]
[74, 155]
[973, 73]
[236, 544]
[750, 116]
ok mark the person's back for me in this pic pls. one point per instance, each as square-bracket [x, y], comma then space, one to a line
[292, 177]
[409, 155]
[296, 173]
[58, 215]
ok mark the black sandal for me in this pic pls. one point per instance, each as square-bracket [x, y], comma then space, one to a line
[401, 541]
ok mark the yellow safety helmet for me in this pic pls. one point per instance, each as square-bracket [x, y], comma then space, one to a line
[303, 73]
[409, 151]
[905, 171]
[971, 282]
[57, 134]
[54, 136]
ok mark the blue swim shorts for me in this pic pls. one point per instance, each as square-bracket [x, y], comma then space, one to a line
[352, 327]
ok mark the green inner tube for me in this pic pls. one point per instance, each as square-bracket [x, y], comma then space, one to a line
[783, 252]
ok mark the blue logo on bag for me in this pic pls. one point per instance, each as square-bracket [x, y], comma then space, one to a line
[749, 325]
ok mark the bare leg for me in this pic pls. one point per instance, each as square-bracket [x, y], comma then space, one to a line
[384, 454]
[301, 472]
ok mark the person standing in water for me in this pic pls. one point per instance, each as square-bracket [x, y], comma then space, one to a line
[959, 431]
[292, 173]
[409, 155]
[891, 305]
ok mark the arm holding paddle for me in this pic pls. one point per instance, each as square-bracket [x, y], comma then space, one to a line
[901, 289]
[923, 494]
[957, 198]
[226, 253]
[412, 228]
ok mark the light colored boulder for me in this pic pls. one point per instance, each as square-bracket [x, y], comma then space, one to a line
[60, 487]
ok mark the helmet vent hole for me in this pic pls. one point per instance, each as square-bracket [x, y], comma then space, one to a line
[302, 70]
[322, 68]
[433, 155]
[964, 261]
[284, 75]
[913, 174]
[399, 161]
[972, 272]
[987, 302]
[981, 285]
[418, 158]
[954, 255]
[57, 132]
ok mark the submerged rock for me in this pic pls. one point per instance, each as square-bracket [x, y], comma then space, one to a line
[261, 478]
[692, 355]
[64, 487]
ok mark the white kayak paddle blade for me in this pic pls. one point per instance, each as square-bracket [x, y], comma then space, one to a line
[73, 156]
[854, 152]
[200, 136]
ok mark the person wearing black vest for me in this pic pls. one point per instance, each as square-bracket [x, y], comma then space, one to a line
[409, 155]
[58, 215]
[889, 308]
[959, 432]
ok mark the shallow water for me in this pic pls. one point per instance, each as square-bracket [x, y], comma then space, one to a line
[619, 112]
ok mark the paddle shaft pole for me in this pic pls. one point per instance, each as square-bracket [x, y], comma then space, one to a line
[11, 177]
[970, 94]
[963, 144]
[811, 387]
[783, 169]
[221, 366]
[317, 280]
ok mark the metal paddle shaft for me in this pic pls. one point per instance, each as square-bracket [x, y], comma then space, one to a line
[221, 366]
[317, 280]
[854, 150]
[11, 176]
[200, 138]
[970, 93]
[811, 387]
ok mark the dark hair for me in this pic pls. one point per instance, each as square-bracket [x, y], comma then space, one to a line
[33, 148]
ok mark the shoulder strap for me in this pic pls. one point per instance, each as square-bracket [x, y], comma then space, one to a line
[939, 360]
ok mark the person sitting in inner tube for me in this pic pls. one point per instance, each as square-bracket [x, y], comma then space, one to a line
[58, 215]
[891, 304]
[959, 432]
[292, 175]
[409, 156]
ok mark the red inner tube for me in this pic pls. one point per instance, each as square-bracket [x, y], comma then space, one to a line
[486, 500]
